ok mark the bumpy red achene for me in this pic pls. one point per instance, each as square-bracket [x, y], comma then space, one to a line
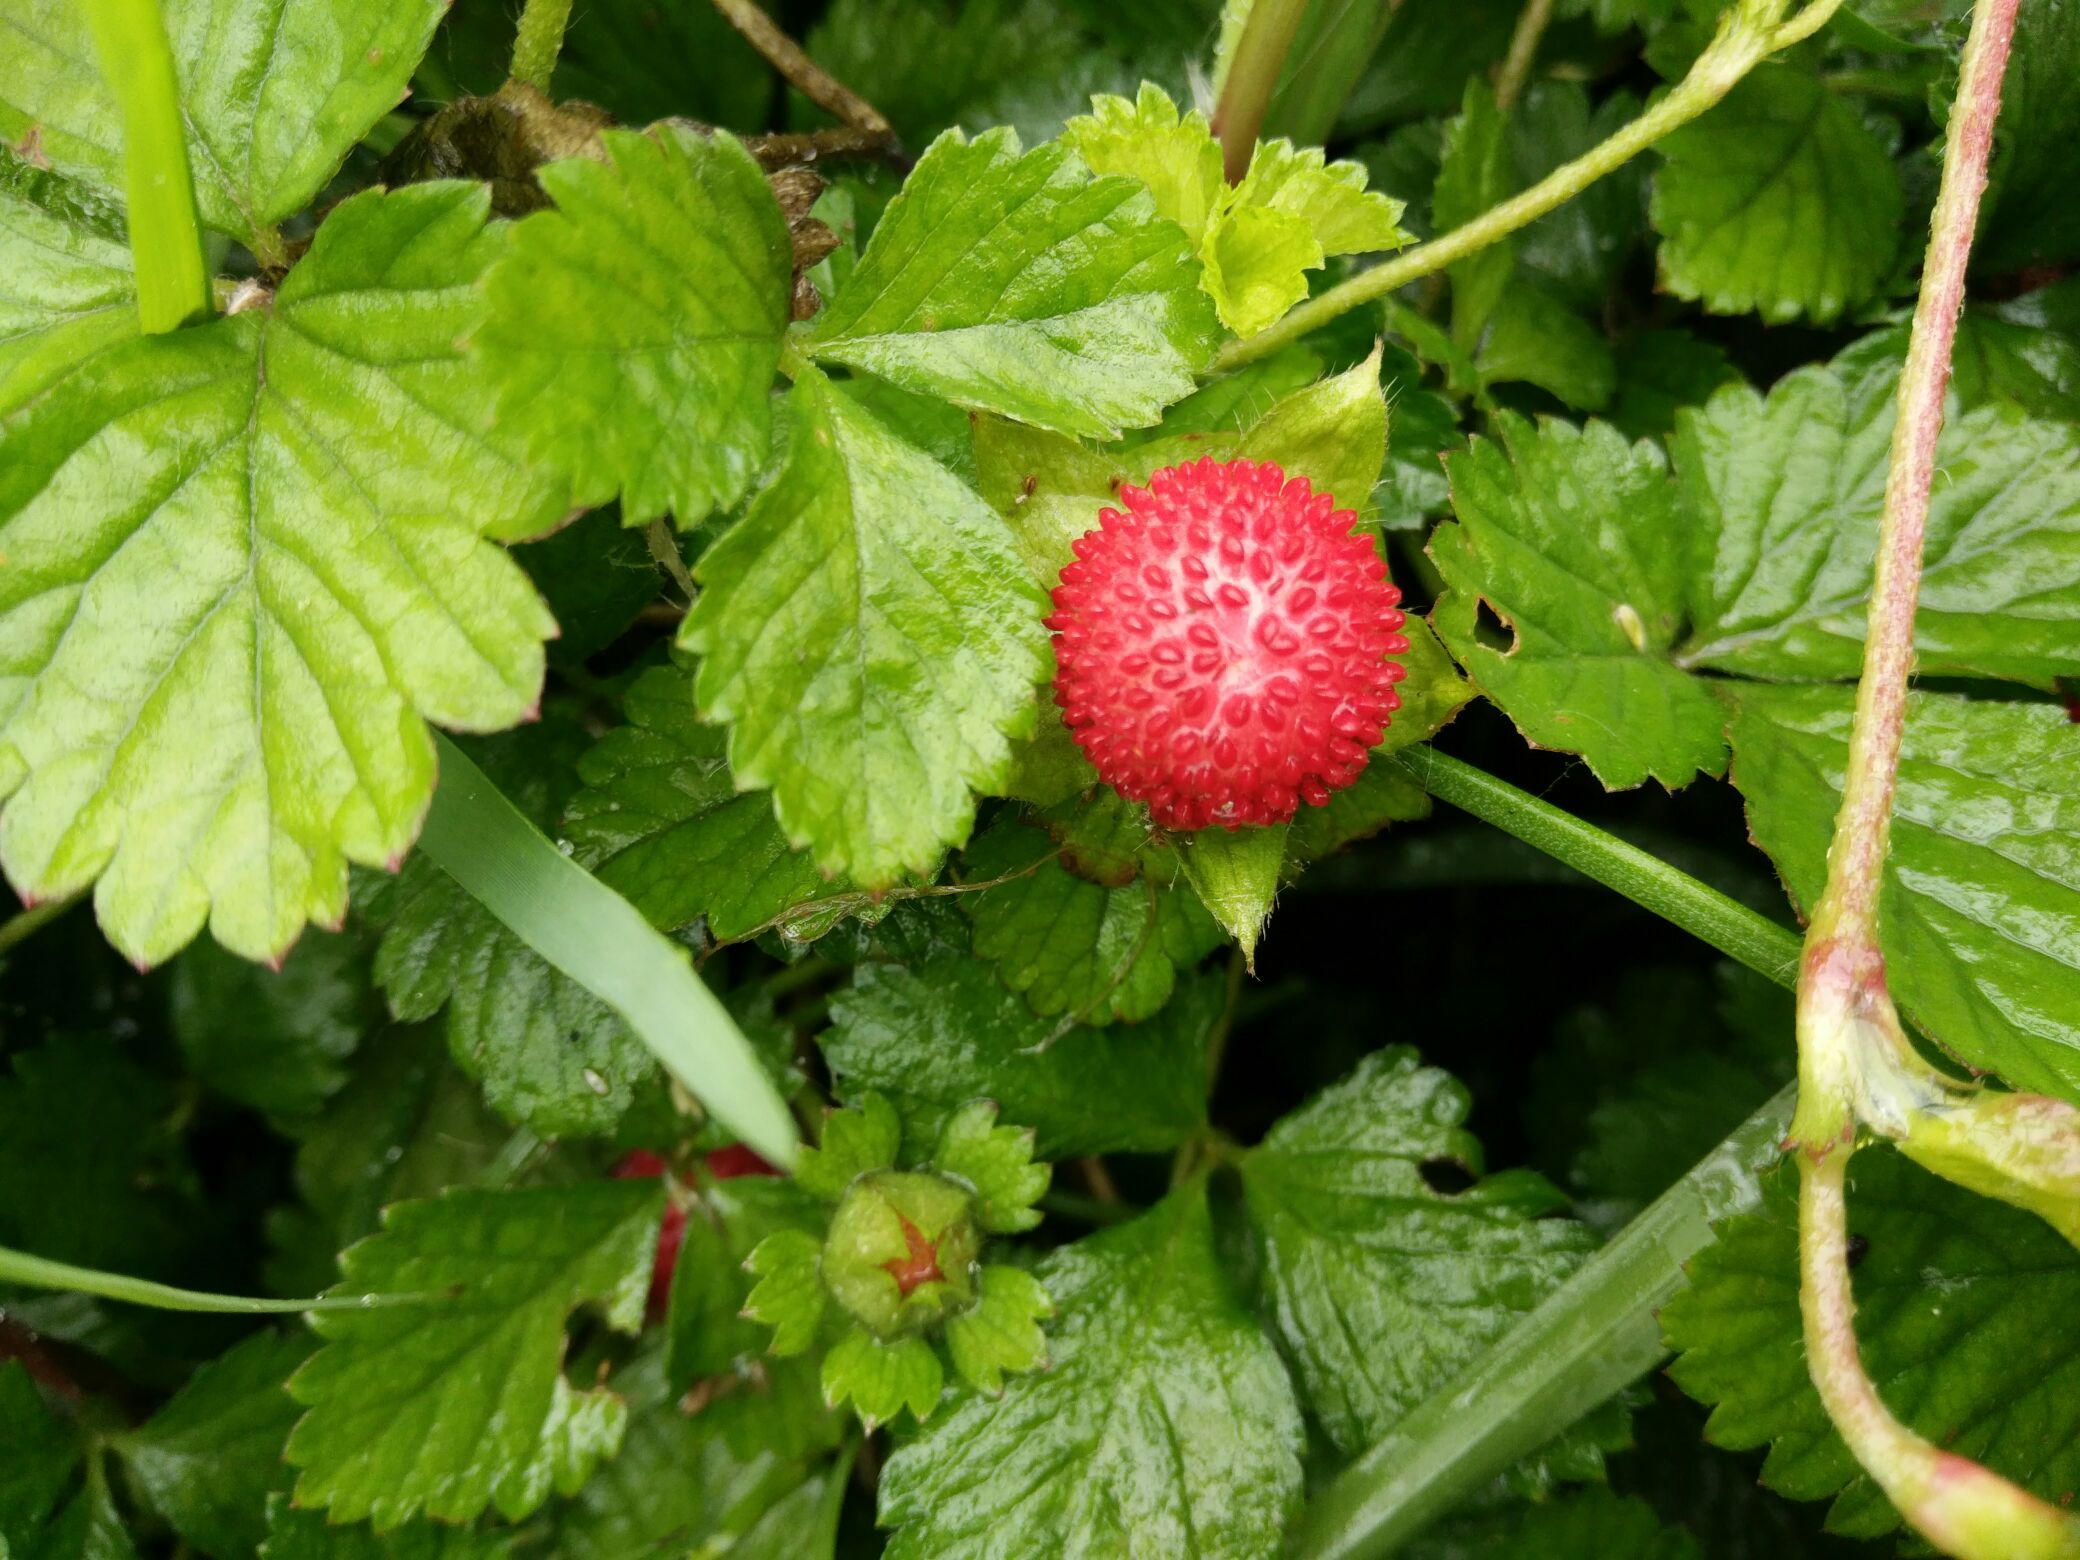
[1222, 643]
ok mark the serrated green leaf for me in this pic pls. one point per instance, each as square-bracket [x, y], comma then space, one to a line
[1595, 1523]
[909, 640]
[208, 1458]
[635, 330]
[1786, 494]
[1777, 202]
[1331, 198]
[272, 104]
[276, 1040]
[1257, 262]
[1662, 371]
[1093, 952]
[549, 1054]
[2023, 350]
[1534, 339]
[1472, 177]
[2024, 222]
[1164, 1425]
[1962, 1308]
[706, 1333]
[461, 1403]
[1175, 156]
[308, 1535]
[789, 1296]
[1381, 1288]
[865, 1137]
[1001, 1331]
[1980, 913]
[996, 1164]
[44, 1454]
[66, 287]
[661, 821]
[234, 595]
[1013, 282]
[1574, 538]
[949, 1032]
[880, 1380]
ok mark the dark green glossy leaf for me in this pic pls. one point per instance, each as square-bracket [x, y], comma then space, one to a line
[276, 1040]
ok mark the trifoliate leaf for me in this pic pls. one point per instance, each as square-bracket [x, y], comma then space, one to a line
[870, 635]
[635, 329]
[1777, 202]
[460, 1402]
[1164, 1425]
[880, 1379]
[272, 106]
[1573, 538]
[996, 1164]
[208, 1458]
[1963, 1319]
[1073, 947]
[788, 1296]
[949, 1032]
[1785, 494]
[1981, 908]
[307, 1535]
[1381, 1288]
[275, 1040]
[245, 560]
[661, 821]
[1175, 156]
[1001, 1331]
[66, 288]
[549, 1054]
[1013, 282]
[866, 1137]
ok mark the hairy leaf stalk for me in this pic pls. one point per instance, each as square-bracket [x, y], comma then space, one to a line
[1856, 1068]
[539, 41]
[1748, 34]
[1260, 58]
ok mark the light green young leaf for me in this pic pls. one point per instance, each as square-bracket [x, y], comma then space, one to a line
[1013, 282]
[871, 636]
[1344, 217]
[996, 1162]
[855, 1141]
[461, 1403]
[1381, 1288]
[661, 821]
[882, 1379]
[1257, 262]
[1113, 1448]
[788, 1296]
[1096, 951]
[1963, 1309]
[234, 594]
[209, 1457]
[635, 329]
[949, 1032]
[1235, 873]
[1981, 907]
[1574, 538]
[1176, 157]
[1777, 202]
[1001, 1331]
[1784, 495]
[66, 288]
[272, 103]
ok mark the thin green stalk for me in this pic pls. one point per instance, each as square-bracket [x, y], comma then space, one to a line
[1747, 35]
[1260, 58]
[1699, 909]
[1515, 73]
[538, 42]
[19, 1267]
[602, 942]
[1592, 1337]
[17, 929]
[165, 233]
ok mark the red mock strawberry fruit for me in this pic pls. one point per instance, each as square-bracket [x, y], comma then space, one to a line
[1221, 645]
[724, 1164]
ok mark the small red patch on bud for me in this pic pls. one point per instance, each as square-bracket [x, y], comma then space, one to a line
[921, 1266]
[1222, 645]
[642, 1165]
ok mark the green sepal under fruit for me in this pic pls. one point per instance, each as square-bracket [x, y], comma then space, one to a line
[901, 1261]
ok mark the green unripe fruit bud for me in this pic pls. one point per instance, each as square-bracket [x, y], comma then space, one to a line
[901, 1251]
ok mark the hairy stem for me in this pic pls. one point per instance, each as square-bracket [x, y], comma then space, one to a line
[1260, 58]
[165, 233]
[1742, 42]
[1699, 909]
[538, 42]
[1510, 80]
[1593, 1336]
[802, 73]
